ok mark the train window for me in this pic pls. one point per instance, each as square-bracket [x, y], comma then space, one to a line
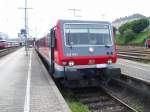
[99, 36]
[87, 34]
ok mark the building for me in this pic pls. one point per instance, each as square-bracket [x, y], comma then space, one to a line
[118, 22]
[3, 36]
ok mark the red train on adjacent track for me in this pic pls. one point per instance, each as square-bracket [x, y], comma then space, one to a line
[148, 43]
[4, 44]
[79, 52]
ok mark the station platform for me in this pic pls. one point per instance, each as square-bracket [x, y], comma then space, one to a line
[25, 85]
[134, 69]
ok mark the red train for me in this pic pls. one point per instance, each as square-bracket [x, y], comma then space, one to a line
[8, 44]
[79, 52]
[3, 44]
[148, 43]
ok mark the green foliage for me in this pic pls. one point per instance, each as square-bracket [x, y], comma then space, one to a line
[139, 25]
[132, 30]
[128, 35]
[124, 27]
[77, 106]
[119, 39]
[138, 40]
[73, 103]
[136, 26]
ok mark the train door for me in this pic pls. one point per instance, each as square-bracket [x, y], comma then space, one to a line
[52, 47]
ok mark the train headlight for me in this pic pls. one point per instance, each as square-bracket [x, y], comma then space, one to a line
[64, 63]
[109, 61]
[71, 63]
[91, 50]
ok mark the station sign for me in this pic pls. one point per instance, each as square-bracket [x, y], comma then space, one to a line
[23, 31]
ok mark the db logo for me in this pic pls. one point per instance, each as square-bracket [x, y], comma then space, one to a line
[92, 61]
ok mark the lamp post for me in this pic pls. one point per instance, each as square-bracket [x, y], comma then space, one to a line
[26, 34]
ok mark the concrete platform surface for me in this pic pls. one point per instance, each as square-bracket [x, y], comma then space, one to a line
[25, 85]
[134, 69]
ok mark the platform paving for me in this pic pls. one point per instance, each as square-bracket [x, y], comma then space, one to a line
[134, 69]
[25, 85]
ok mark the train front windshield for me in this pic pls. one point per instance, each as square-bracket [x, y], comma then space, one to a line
[87, 35]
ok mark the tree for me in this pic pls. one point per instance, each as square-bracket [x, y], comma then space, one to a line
[136, 26]
[124, 27]
[139, 25]
[128, 35]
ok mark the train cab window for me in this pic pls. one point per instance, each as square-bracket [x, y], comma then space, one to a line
[99, 36]
[87, 34]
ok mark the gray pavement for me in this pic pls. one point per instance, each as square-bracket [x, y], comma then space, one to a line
[25, 88]
[13, 74]
[134, 69]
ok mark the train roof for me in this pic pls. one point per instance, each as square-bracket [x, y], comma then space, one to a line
[83, 21]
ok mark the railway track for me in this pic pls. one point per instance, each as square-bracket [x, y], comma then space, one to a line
[135, 93]
[98, 100]
[4, 52]
[135, 53]
[115, 94]
[120, 94]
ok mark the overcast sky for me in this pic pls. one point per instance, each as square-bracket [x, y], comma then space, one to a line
[45, 13]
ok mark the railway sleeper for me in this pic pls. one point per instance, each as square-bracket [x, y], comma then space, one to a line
[100, 104]
[95, 99]
[135, 86]
[107, 108]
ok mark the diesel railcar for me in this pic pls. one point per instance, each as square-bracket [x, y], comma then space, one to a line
[79, 51]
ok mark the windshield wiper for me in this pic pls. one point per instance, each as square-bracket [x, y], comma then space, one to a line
[69, 42]
[107, 46]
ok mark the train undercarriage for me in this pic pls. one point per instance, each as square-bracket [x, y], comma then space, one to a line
[88, 77]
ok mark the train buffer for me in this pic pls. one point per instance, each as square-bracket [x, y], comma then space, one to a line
[25, 85]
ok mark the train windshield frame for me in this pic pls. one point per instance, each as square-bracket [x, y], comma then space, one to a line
[87, 34]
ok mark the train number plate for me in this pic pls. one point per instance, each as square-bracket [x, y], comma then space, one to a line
[101, 65]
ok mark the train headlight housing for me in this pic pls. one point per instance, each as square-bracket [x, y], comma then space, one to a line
[109, 61]
[71, 63]
[64, 63]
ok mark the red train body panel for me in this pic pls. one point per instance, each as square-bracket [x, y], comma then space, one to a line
[148, 42]
[3, 44]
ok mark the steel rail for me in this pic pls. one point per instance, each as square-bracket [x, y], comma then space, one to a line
[106, 90]
[4, 52]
